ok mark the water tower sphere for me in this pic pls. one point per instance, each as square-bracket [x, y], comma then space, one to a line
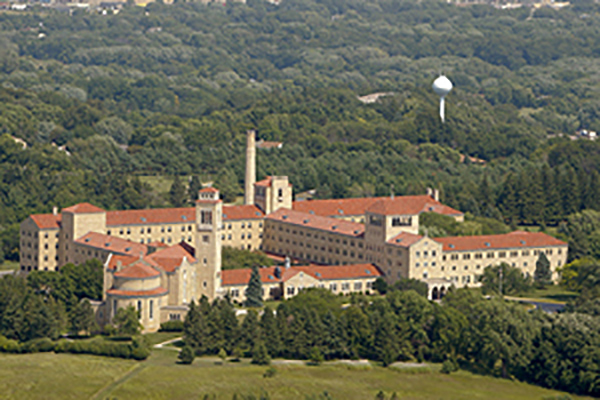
[442, 86]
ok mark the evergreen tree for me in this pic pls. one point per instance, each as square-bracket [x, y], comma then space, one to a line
[508, 200]
[194, 188]
[194, 329]
[82, 318]
[486, 198]
[230, 325]
[543, 273]
[214, 330]
[569, 191]
[260, 355]
[268, 326]
[177, 193]
[249, 331]
[533, 200]
[552, 209]
[127, 321]
[254, 292]
[186, 355]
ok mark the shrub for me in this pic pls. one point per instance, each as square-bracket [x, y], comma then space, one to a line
[186, 355]
[172, 326]
[270, 372]
[448, 367]
[9, 345]
[140, 350]
[260, 355]
[316, 357]
[38, 346]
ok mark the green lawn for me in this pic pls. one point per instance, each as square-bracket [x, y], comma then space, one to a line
[63, 376]
[553, 294]
[9, 265]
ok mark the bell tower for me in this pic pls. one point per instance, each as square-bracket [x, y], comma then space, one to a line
[209, 220]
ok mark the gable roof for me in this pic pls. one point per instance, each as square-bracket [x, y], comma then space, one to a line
[317, 222]
[151, 216]
[242, 212]
[159, 291]
[83, 208]
[137, 270]
[513, 240]
[405, 239]
[410, 205]
[237, 277]
[46, 221]
[112, 244]
[208, 189]
[400, 205]
[170, 258]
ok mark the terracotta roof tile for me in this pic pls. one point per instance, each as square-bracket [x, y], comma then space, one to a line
[242, 212]
[159, 291]
[402, 205]
[238, 277]
[265, 182]
[317, 222]
[46, 221]
[405, 239]
[83, 208]
[170, 258]
[137, 271]
[112, 244]
[151, 216]
[410, 205]
[513, 240]
[115, 259]
[209, 189]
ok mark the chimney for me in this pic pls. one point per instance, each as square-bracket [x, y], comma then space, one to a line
[287, 262]
[54, 210]
[250, 167]
[436, 194]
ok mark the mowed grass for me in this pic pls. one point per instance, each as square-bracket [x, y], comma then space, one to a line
[57, 376]
[62, 376]
[9, 265]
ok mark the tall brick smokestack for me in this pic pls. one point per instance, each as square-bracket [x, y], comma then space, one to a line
[250, 167]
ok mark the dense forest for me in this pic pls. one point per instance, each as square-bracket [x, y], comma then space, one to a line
[101, 100]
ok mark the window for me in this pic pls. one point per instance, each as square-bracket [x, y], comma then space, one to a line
[235, 292]
[418, 253]
[151, 309]
[358, 286]
[206, 217]
[139, 307]
[290, 291]
[205, 239]
[490, 254]
[345, 286]
[502, 254]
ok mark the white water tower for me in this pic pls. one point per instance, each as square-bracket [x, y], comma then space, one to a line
[442, 86]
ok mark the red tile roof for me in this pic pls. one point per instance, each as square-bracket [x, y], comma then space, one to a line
[402, 205]
[159, 291]
[513, 240]
[46, 221]
[114, 260]
[410, 205]
[242, 212]
[317, 222]
[151, 216]
[170, 258]
[112, 244]
[405, 239]
[83, 208]
[209, 189]
[238, 277]
[265, 182]
[137, 271]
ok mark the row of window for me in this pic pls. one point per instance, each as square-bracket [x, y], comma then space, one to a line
[501, 254]
[243, 225]
[168, 229]
[317, 237]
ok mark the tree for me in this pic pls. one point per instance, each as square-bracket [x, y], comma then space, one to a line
[194, 188]
[177, 193]
[254, 292]
[186, 355]
[543, 273]
[222, 355]
[513, 280]
[380, 285]
[127, 321]
[315, 356]
[82, 318]
[260, 355]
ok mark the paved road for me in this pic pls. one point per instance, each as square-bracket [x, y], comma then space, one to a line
[9, 272]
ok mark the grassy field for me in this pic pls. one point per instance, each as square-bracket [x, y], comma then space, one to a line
[62, 376]
[9, 265]
[551, 294]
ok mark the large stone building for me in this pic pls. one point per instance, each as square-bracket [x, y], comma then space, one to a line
[160, 259]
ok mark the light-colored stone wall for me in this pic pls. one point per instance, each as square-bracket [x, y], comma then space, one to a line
[464, 267]
[313, 245]
[243, 234]
[37, 248]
